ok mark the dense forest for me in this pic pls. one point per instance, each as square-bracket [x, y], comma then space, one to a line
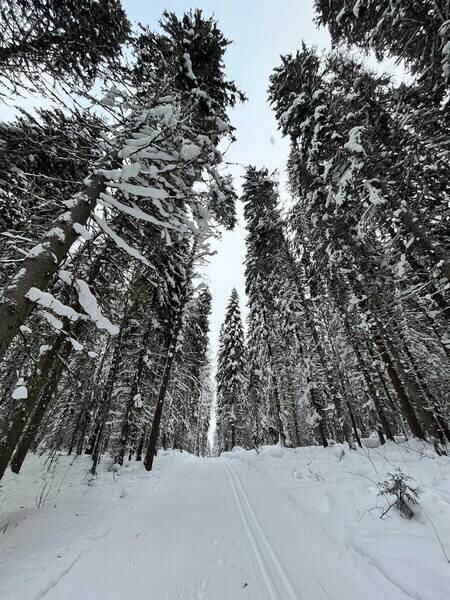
[113, 185]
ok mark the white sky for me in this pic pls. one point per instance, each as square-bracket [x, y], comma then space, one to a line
[261, 30]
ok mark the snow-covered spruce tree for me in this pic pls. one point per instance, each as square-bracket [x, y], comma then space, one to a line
[133, 367]
[174, 207]
[156, 121]
[63, 336]
[189, 408]
[372, 140]
[331, 347]
[357, 216]
[43, 160]
[231, 378]
[153, 300]
[117, 413]
[179, 297]
[278, 315]
[68, 41]
[416, 32]
[263, 268]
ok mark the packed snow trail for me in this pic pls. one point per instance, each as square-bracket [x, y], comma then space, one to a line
[277, 581]
[279, 525]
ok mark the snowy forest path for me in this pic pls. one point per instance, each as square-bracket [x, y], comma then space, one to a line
[302, 551]
[278, 582]
[244, 526]
[172, 534]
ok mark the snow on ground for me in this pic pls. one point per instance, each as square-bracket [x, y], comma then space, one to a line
[283, 524]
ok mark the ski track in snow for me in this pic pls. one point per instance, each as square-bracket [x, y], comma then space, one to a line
[277, 580]
[64, 572]
[244, 526]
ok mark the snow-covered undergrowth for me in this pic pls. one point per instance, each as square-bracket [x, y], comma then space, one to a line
[285, 523]
[329, 517]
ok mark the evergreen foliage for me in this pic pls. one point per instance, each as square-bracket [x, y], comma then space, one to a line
[414, 31]
[232, 409]
[103, 327]
[107, 207]
[67, 40]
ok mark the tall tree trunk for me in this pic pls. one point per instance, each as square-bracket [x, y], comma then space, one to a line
[83, 415]
[140, 446]
[107, 393]
[78, 427]
[38, 270]
[170, 358]
[428, 409]
[296, 426]
[319, 410]
[317, 342]
[355, 428]
[413, 392]
[373, 394]
[169, 362]
[394, 407]
[15, 429]
[36, 419]
[199, 431]
[126, 421]
[274, 379]
[404, 400]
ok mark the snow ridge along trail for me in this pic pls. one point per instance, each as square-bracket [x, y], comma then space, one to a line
[277, 581]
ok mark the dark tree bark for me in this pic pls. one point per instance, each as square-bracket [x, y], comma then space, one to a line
[126, 421]
[140, 446]
[170, 358]
[355, 428]
[319, 410]
[374, 395]
[152, 446]
[404, 400]
[107, 393]
[15, 428]
[36, 419]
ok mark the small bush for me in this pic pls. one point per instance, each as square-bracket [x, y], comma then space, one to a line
[405, 496]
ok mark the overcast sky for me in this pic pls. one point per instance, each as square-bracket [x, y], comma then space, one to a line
[261, 30]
